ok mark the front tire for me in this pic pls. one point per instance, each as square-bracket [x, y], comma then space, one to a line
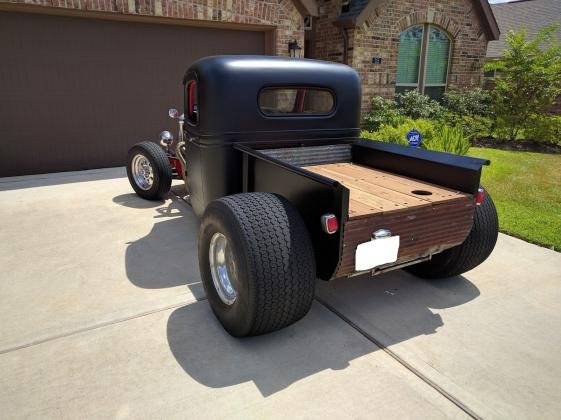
[473, 251]
[149, 170]
[257, 263]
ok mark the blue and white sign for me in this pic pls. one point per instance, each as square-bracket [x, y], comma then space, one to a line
[414, 138]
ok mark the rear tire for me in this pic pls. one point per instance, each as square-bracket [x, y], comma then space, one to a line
[473, 251]
[267, 260]
[149, 170]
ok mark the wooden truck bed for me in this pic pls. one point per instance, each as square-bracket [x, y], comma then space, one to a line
[427, 217]
[373, 191]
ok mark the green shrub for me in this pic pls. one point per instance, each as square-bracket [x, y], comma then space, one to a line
[390, 134]
[449, 139]
[529, 80]
[545, 129]
[473, 126]
[387, 134]
[435, 136]
[384, 112]
[416, 105]
[474, 102]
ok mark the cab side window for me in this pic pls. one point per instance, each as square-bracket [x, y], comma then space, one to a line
[192, 102]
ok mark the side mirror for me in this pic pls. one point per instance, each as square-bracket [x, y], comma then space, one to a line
[173, 113]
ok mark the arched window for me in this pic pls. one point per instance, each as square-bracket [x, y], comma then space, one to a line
[422, 60]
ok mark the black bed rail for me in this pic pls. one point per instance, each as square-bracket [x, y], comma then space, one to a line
[461, 173]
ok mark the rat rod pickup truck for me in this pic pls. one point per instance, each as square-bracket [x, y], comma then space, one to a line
[270, 153]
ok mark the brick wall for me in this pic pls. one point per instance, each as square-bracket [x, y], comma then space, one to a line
[379, 37]
[328, 39]
[280, 14]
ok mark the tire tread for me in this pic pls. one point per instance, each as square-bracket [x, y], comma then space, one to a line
[473, 251]
[280, 258]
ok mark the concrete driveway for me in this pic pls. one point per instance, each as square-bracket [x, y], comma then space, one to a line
[103, 315]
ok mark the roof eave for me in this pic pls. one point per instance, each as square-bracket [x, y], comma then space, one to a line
[490, 22]
[307, 7]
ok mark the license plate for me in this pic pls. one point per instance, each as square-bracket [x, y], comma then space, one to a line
[376, 252]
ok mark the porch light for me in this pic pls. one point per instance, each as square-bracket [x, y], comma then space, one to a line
[294, 49]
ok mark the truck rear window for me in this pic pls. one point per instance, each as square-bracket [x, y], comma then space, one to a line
[296, 101]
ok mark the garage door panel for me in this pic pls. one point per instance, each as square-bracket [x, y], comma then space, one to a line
[77, 93]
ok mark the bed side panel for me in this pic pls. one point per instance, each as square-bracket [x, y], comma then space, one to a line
[311, 194]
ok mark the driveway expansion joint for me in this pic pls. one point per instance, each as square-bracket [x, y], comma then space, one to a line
[97, 326]
[457, 402]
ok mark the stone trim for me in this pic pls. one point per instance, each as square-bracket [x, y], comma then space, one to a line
[430, 16]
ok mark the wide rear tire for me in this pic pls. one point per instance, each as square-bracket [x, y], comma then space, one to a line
[473, 251]
[264, 267]
[149, 170]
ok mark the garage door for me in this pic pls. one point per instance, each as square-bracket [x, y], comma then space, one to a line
[77, 93]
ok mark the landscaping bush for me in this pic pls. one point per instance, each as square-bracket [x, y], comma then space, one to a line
[412, 105]
[529, 79]
[384, 112]
[435, 136]
[416, 105]
[473, 126]
[545, 129]
[388, 134]
[474, 102]
[449, 139]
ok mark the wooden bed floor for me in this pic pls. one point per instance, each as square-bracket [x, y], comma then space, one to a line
[374, 191]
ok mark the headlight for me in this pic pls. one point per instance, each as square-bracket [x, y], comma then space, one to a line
[166, 138]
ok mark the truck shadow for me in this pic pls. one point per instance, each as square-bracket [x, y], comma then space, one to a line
[394, 307]
[167, 256]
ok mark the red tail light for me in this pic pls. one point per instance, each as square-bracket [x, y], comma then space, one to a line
[480, 196]
[329, 223]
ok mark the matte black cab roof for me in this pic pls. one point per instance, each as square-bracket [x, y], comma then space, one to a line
[228, 89]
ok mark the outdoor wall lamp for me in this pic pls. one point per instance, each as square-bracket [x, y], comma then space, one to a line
[294, 49]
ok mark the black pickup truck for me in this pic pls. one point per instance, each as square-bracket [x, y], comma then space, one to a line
[270, 153]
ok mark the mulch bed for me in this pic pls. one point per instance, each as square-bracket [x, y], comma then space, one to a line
[518, 145]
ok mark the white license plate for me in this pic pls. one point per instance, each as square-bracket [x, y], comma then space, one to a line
[377, 252]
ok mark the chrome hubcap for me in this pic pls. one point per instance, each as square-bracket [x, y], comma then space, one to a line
[142, 172]
[222, 268]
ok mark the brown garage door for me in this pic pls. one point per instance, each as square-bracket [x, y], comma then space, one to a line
[77, 93]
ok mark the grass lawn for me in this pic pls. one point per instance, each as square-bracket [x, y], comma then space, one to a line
[526, 189]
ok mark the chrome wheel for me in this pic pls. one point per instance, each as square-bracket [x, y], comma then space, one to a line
[142, 172]
[222, 268]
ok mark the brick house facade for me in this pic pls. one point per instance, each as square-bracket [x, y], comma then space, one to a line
[368, 28]
[81, 66]
[372, 31]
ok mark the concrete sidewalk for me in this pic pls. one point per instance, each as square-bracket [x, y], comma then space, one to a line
[104, 316]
